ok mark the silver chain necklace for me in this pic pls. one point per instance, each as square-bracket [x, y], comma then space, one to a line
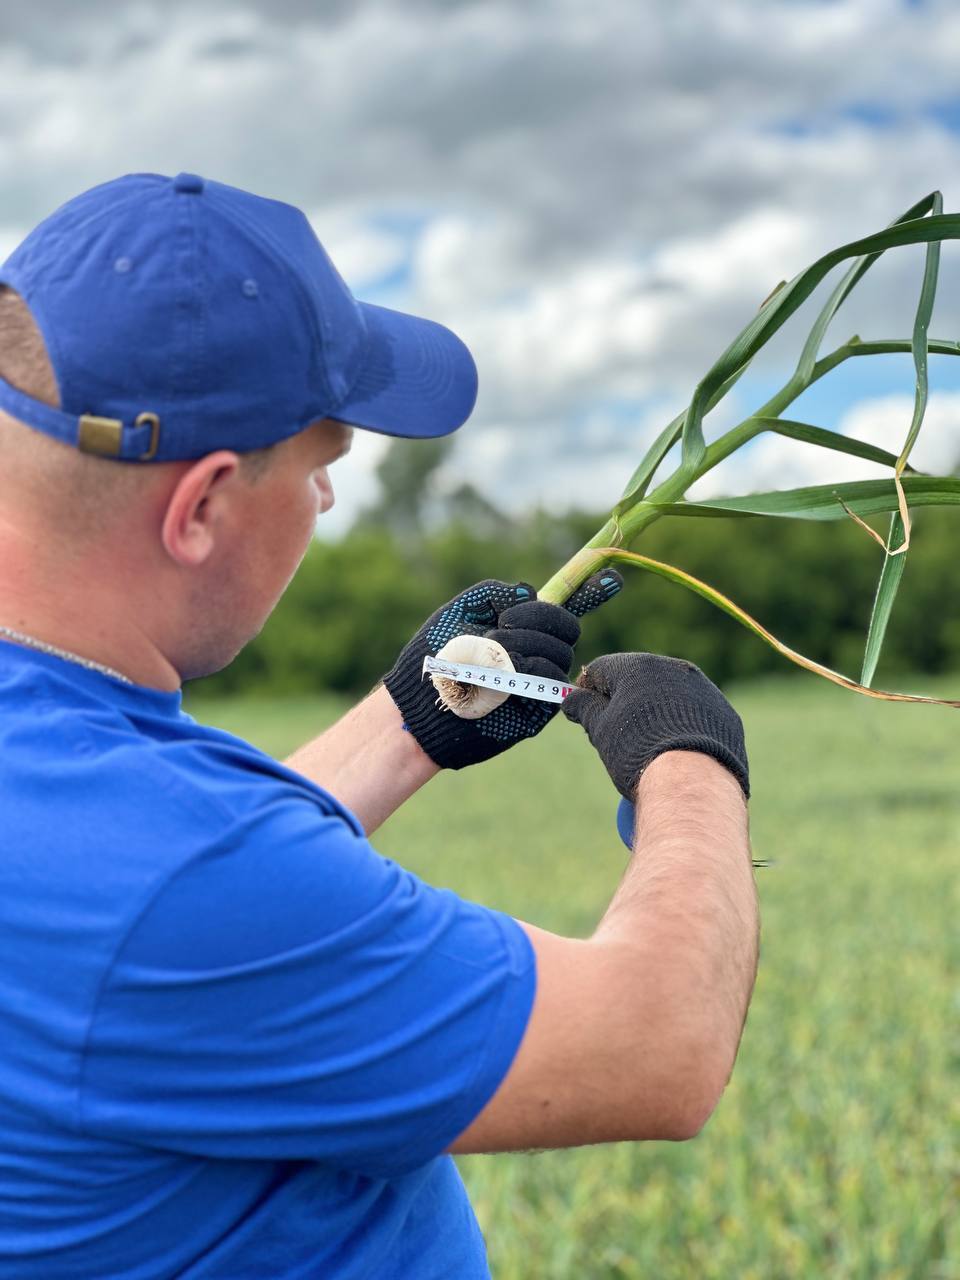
[33, 643]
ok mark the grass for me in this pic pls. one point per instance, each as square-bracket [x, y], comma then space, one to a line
[835, 1151]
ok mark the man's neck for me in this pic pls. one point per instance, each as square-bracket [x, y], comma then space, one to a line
[101, 651]
[69, 608]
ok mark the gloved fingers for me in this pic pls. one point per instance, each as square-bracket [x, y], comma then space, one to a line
[601, 675]
[524, 646]
[646, 671]
[597, 590]
[536, 615]
[584, 707]
[482, 604]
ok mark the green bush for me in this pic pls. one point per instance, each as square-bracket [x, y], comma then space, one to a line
[354, 603]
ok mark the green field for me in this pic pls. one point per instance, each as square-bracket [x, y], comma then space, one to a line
[835, 1151]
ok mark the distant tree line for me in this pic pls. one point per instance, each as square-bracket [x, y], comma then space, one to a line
[354, 603]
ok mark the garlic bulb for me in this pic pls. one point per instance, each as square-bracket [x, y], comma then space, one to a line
[469, 701]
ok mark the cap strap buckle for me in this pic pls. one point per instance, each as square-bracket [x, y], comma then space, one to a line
[100, 435]
[104, 436]
[151, 420]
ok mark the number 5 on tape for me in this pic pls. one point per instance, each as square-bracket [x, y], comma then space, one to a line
[525, 686]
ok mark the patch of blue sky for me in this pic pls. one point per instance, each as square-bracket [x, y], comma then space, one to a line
[391, 287]
[946, 113]
[878, 116]
[624, 428]
[794, 126]
[613, 415]
[825, 403]
[406, 222]
[875, 115]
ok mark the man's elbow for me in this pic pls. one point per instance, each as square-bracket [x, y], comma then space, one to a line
[713, 1076]
[709, 1058]
[696, 1115]
[691, 1095]
[688, 1120]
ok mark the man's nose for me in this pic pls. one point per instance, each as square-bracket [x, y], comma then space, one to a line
[325, 489]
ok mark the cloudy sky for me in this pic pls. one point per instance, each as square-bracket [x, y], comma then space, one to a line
[597, 197]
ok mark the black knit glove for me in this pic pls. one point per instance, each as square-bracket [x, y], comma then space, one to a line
[635, 706]
[538, 637]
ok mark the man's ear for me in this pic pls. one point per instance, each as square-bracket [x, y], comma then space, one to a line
[197, 507]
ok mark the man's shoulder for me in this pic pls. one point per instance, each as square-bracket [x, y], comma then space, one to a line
[110, 821]
[116, 786]
[125, 747]
[227, 773]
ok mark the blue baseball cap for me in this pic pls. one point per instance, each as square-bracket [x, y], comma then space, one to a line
[183, 316]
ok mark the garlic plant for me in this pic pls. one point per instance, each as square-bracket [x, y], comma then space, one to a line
[468, 701]
[640, 505]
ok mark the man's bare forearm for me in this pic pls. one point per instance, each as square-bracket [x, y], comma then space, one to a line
[687, 911]
[634, 1031]
[367, 760]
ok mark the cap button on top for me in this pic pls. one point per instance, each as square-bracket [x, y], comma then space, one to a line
[188, 182]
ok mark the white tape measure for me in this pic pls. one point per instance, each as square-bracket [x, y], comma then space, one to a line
[539, 687]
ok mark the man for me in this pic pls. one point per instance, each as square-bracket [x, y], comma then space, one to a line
[236, 1041]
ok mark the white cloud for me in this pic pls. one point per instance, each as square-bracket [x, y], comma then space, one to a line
[596, 199]
[364, 254]
[746, 254]
[10, 237]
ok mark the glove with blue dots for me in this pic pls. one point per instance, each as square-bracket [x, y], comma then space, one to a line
[538, 637]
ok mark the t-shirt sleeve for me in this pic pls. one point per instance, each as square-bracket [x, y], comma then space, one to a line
[291, 994]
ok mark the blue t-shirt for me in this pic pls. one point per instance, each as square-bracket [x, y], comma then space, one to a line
[234, 1040]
